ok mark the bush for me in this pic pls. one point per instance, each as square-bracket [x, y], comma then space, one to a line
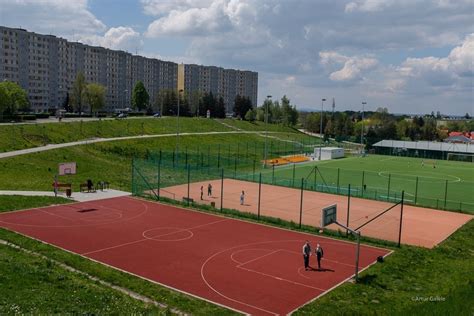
[136, 114]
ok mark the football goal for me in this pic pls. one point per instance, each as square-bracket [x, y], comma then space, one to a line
[460, 157]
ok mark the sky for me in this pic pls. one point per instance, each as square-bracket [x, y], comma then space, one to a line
[410, 56]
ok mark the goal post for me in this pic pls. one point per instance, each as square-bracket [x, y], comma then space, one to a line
[460, 157]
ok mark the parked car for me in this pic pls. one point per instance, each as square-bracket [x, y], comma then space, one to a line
[122, 115]
[157, 114]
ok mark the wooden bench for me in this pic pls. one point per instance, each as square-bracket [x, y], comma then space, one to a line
[84, 187]
[66, 187]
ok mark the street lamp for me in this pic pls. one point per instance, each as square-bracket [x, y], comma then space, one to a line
[321, 127]
[177, 129]
[362, 129]
[266, 130]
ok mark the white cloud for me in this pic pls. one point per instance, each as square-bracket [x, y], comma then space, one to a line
[352, 68]
[59, 17]
[122, 38]
[442, 71]
[193, 21]
[160, 7]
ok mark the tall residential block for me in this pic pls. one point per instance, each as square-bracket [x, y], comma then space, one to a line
[46, 67]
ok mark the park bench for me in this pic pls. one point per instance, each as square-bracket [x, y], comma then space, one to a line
[66, 187]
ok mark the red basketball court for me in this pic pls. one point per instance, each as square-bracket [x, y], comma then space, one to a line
[243, 266]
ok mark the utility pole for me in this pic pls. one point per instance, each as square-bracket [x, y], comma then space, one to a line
[321, 127]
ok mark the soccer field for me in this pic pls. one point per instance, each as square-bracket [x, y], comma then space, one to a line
[431, 183]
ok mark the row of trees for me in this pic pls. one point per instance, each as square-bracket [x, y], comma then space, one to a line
[380, 125]
[278, 113]
[85, 94]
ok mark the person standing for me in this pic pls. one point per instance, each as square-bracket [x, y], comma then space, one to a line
[319, 254]
[209, 189]
[202, 191]
[242, 197]
[306, 254]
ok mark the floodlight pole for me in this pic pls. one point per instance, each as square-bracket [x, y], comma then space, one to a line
[362, 129]
[321, 127]
[266, 130]
[357, 249]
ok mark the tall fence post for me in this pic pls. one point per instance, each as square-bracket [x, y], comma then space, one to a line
[445, 194]
[348, 207]
[259, 195]
[401, 220]
[186, 153]
[388, 188]
[315, 183]
[219, 157]
[173, 159]
[416, 190]
[133, 176]
[338, 172]
[294, 170]
[273, 173]
[189, 183]
[222, 188]
[235, 167]
[253, 174]
[362, 189]
[301, 200]
[159, 177]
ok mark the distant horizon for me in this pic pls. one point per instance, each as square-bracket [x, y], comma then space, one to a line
[348, 49]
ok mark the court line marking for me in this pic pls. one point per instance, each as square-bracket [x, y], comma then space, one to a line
[335, 241]
[177, 230]
[145, 239]
[191, 209]
[338, 284]
[79, 225]
[128, 272]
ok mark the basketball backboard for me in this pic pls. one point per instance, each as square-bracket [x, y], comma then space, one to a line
[328, 215]
[67, 168]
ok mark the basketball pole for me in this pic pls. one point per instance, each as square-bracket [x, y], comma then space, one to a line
[357, 249]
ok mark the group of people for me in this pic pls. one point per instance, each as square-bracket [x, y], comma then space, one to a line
[307, 253]
[209, 193]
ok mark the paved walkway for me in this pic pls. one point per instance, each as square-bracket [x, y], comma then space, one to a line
[76, 196]
[100, 140]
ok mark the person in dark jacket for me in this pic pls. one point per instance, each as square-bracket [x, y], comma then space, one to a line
[319, 254]
[306, 254]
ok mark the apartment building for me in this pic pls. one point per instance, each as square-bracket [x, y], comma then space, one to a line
[225, 83]
[46, 67]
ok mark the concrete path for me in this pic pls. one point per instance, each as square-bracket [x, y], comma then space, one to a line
[76, 196]
[100, 140]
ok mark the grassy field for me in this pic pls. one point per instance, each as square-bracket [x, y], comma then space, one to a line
[111, 161]
[411, 280]
[383, 173]
[21, 136]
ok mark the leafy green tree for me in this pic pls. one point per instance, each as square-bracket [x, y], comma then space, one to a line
[288, 112]
[12, 98]
[94, 95]
[242, 105]
[140, 97]
[77, 94]
[220, 108]
[250, 116]
[209, 102]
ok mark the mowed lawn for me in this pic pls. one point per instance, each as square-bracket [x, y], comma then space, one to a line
[388, 176]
